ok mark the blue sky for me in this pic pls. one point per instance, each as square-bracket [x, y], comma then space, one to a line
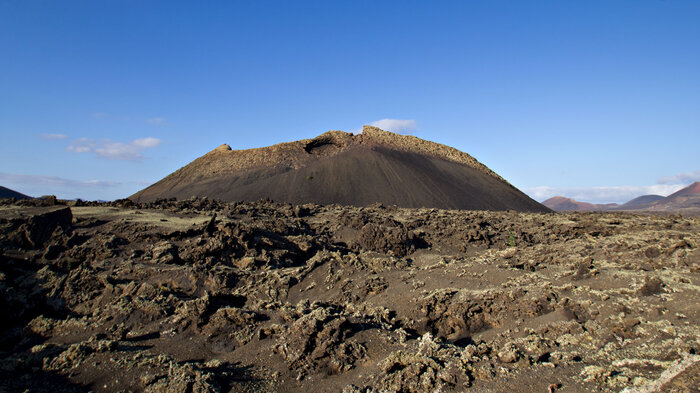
[598, 100]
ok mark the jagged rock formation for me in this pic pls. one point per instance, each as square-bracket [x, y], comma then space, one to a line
[376, 166]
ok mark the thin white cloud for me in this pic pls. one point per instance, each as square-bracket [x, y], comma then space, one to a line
[144, 143]
[611, 194]
[111, 150]
[99, 114]
[404, 126]
[53, 136]
[82, 145]
[681, 178]
[159, 121]
[53, 181]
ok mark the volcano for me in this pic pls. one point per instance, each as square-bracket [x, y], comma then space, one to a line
[336, 167]
[686, 200]
[8, 193]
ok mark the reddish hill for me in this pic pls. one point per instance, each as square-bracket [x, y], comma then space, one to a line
[688, 192]
[338, 167]
[684, 200]
[560, 203]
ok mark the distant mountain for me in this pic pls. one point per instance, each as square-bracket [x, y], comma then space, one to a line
[684, 200]
[560, 203]
[640, 203]
[7, 193]
[375, 166]
[692, 191]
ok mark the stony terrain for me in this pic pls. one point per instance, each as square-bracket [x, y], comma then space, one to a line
[203, 296]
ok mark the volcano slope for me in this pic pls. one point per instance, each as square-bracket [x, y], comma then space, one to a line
[8, 193]
[336, 167]
[203, 296]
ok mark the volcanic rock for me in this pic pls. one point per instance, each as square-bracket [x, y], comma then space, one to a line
[37, 225]
[205, 296]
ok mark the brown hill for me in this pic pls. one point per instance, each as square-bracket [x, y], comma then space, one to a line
[684, 200]
[337, 167]
[691, 191]
[640, 203]
[7, 193]
[560, 203]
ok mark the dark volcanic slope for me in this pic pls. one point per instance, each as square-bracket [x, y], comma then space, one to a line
[336, 167]
[7, 193]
